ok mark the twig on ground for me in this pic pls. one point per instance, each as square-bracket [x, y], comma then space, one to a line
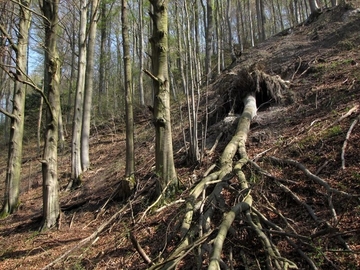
[346, 140]
[261, 154]
[72, 220]
[89, 238]
[349, 112]
[168, 205]
[312, 176]
[154, 203]
[291, 242]
[297, 69]
[299, 201]
[140, 250]
[216, 143]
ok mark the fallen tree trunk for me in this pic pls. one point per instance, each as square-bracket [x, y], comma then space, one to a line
[248, 83]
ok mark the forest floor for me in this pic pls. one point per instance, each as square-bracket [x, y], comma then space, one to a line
[322, 61]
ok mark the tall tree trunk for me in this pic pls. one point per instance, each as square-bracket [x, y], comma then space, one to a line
[252, 39]
[88, 91]
[141, 54]
[263, 20]
[76, 168]
[192, 108]
[228, 21]
[38, 132]
[164, 159]
[12, 180]
[281, 17]
[240, 26]
[61, 132]
[180, 49]
[209, 37]
[51, 208]
[218, 37]
[129, 184]
[103, 56]
[314, 7]
[73, 61]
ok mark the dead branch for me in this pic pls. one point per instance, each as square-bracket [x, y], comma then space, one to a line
[90, 238]
[10, 115]
[321, 182]
[223, 230]
[169, 204]
[236, 144]
[140, 250]
[299, 201]
[288, 238]
[349, 112]
[346, 140]
[216, 143]
[297, 69]
[313, 177]
[154, 203]
[180, 253]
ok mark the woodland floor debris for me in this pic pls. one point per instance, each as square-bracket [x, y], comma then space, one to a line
[285, 200]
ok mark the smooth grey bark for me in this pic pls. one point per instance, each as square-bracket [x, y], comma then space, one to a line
[165, 168]
[51, 207]
[89, 83]
[251, 24]
[129, 184]
[76, 168]
[103, 56]
[279, 10]
[240, 26]
[13, 173]
[209, 37]
[141, 54]
[38, 132]
[314, 6]
[228, 22]
[73, 62]
[237, 144]
[180, 49]
[194, 152]
[61, 132]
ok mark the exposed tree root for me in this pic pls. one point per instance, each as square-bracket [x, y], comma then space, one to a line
[217, 192]
[205, 208]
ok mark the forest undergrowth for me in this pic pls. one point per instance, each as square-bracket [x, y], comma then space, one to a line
[275, 190]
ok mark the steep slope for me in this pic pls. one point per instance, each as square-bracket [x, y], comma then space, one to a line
[309, 125]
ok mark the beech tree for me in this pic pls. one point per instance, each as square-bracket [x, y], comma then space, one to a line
[76, 168]
[51, 208]
[314, 7]
[209, 37]
[129, 184]
[165, 168]
[13, 175]
[88, 91]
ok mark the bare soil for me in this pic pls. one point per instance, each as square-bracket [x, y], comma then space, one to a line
[322, 61]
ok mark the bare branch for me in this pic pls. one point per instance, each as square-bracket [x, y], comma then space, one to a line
[8, 37]
[152, 76]
[29, 9]
[140, 250]
[312, 176]
[28, 81]
[10, 115]
[346, 140]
